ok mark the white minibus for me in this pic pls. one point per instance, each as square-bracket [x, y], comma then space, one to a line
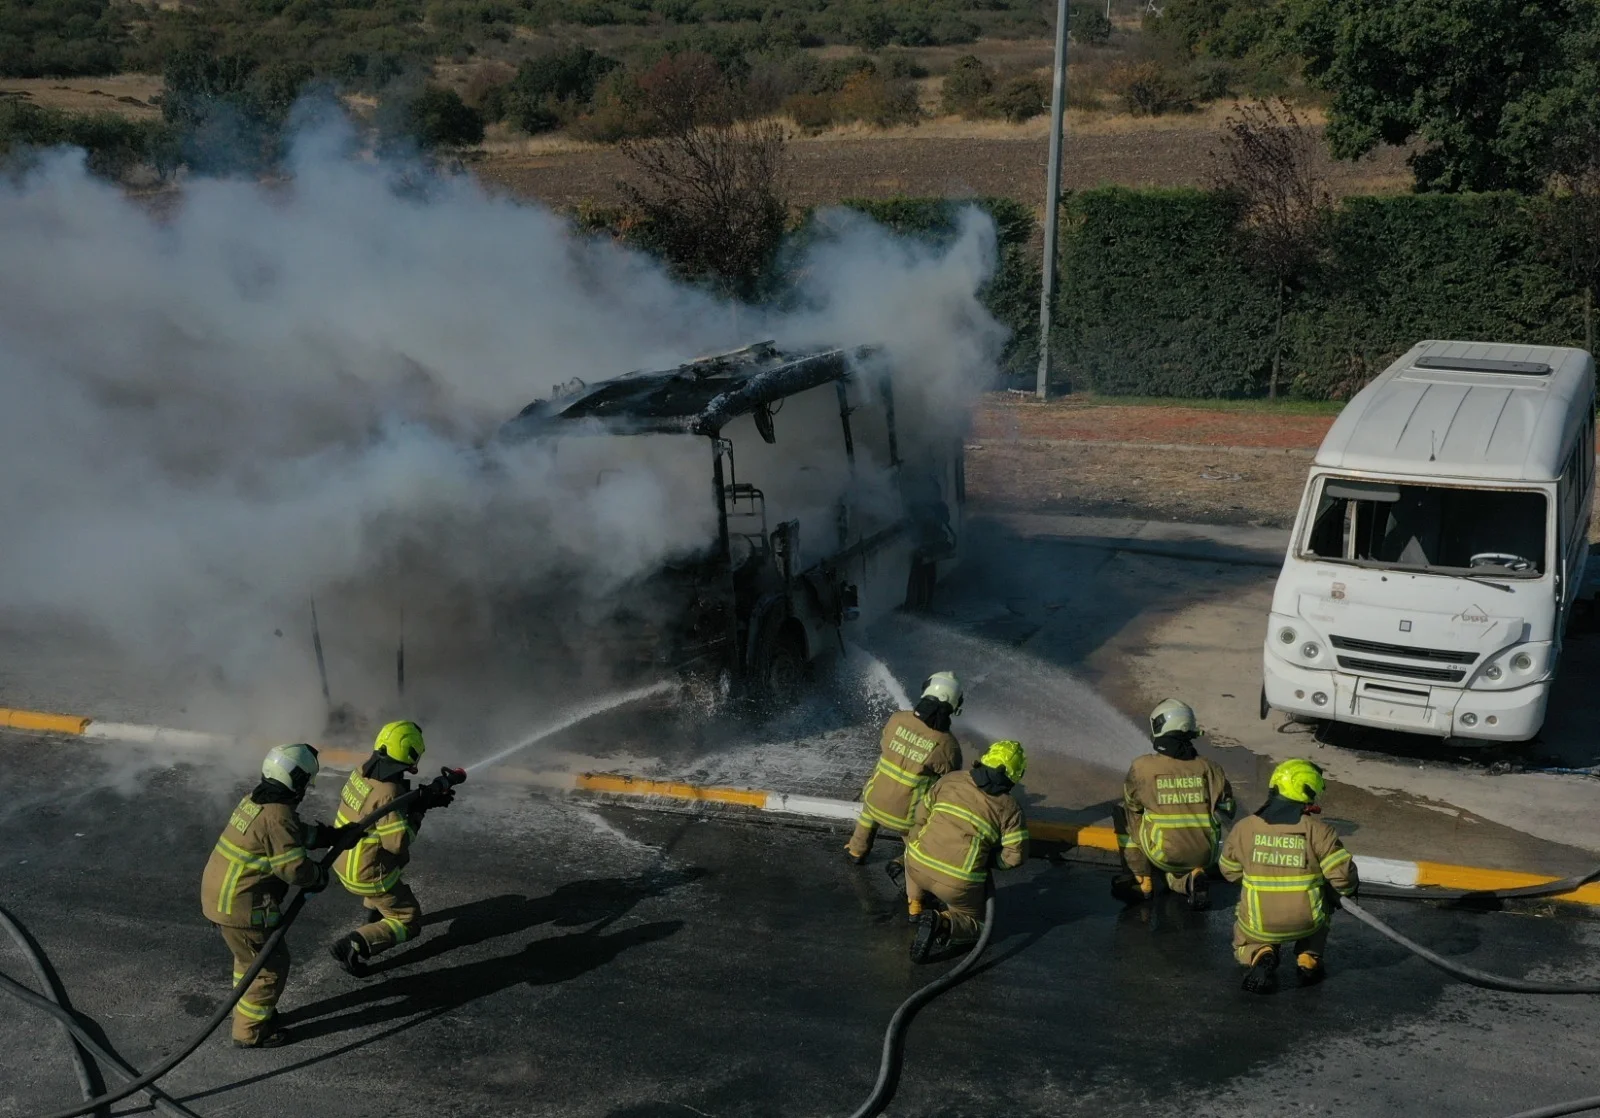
[1440, 545]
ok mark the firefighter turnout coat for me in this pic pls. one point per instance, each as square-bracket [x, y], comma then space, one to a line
[1172, 807]
[912, 755]
[1281, 868]
[962, 830]
[262, 851]
[373, 866]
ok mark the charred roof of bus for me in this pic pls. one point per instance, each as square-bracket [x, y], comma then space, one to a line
[699, 397]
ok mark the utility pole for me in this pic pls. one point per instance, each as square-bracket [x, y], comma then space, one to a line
[1052, 200]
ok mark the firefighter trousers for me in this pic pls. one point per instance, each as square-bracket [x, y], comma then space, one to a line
[866, 834]
[398, 917]
[1138, 863]
[253, 1014]
[1244, 947]
[963, 900]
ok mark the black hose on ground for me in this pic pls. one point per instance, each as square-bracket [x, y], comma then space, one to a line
[80, 1065]
[893, 1036]
[294, 901]
[1466, 974]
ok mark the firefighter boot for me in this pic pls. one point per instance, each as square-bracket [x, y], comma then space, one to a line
[1262, 977]
[1308, 968]
[1198, 890]
[1132, 888]
[913, 908]
[896, 869]
[351, 955]
[270, 1036]
[933, 933]
[855, 859]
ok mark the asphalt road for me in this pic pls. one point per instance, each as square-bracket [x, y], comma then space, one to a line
[585, 961]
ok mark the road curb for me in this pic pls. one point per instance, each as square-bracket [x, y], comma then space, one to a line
[621, 788]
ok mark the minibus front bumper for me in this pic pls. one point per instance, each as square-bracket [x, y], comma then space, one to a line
[1417, 708]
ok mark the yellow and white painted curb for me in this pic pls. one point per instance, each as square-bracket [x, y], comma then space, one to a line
[622, 788]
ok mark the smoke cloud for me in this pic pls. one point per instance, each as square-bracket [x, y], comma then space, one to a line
[284, 391]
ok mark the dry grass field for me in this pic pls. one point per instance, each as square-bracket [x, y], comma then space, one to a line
[128, 94]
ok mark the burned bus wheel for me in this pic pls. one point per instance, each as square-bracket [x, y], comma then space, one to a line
[778, 679]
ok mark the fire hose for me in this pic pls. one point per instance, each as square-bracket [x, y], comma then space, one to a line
[294, 900]
[894, 1035]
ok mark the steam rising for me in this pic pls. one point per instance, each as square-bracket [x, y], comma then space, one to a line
[285, 391]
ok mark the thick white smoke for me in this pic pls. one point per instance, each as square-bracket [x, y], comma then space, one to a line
[277, 391]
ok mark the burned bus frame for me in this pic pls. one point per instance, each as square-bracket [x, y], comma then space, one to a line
[776, 618]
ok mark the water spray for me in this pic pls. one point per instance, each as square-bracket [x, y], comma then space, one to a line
[582, 714]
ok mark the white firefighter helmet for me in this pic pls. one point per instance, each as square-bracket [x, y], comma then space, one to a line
[1173, 717]
[293, 766]
[945, 687]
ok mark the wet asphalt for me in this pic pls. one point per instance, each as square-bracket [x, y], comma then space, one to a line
[613, 962]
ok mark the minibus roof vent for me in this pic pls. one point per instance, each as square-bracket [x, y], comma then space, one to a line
[1484, 365]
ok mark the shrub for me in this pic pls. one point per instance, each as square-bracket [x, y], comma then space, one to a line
[1020, 98]
[811, 111]
[1149, 89]
[966, 85]
[867, 97]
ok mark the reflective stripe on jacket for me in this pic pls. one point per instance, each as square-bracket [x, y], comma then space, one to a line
[260, 853]
[1172, 807]
[911, 756]
[961, 830]
[375, 863]
[1281, 868]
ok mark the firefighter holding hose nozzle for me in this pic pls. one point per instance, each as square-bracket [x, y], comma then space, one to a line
[916, 749]
[1285, 859]
[968, 822]
[1173, 802]
[262, 852]
[373, 867]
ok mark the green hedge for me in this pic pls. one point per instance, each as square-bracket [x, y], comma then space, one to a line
[1404, 268]
[1155, 300]
[1158, 297]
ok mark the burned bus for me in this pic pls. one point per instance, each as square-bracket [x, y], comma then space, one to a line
[824, 501]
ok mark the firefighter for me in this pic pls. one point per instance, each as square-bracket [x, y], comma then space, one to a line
[916, 749]
[1173, 802]
[1286, 858]
[372, 868]
[967, 823]
[261, 852]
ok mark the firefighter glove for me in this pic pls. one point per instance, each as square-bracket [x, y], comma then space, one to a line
[320, 882]
[434, 795]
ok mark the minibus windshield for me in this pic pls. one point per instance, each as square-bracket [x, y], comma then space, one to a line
[1451, 529]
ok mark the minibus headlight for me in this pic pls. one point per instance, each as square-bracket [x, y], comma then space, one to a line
[1288, 635]
[1522, 662]
[1492, 672]
[1310, 650]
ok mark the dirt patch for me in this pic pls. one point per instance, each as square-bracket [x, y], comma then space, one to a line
[127, 94]
[1213, 486]
[982, 159]
[1013, 417]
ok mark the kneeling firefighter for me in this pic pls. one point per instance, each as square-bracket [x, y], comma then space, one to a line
[261, 852]
[966, 824]
[1173, 801]
[1286, 858]
[372, 868]
[916, 749]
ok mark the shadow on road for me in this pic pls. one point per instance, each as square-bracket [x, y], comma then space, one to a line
[552, 959]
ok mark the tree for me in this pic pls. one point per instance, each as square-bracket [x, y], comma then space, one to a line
[1491, 88]
[1572, 233]
[1089, 25]
[1271, 161]
[709, 193]
[437, 117]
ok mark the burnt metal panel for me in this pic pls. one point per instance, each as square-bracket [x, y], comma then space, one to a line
[699, 397]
